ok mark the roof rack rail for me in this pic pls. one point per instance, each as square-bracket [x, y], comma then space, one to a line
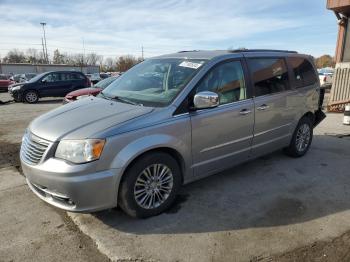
[185, 51]
[261, 50]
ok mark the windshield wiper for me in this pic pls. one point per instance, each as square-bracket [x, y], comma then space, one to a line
[121, 99]
[125, 100]
[104, 96]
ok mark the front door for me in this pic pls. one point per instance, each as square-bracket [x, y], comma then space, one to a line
[50, 85]
[222, 136]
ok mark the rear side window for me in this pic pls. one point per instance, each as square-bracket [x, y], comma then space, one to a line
[270, 75]
[77, 76]
[71, 76]
[304, 73]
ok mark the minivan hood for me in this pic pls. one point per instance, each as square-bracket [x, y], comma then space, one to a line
[84, 118]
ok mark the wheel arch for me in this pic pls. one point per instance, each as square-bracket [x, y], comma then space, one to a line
[309, 115]
[167, 150]
[177, 148]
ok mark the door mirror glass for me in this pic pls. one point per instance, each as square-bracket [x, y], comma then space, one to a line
[206, 99]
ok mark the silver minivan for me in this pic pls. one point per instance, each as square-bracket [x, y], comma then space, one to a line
[168, 121]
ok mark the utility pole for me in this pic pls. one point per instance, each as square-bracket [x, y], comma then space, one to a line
[47, 56]
[42, 43]
[83, 51]
[142, 52]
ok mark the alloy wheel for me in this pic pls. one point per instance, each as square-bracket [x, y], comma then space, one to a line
[31, 97]
[303, 137]
[153, 186]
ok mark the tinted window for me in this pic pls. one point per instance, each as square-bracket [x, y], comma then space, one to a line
[270, 75]
[53, 77]
[304, 72]
[227, 80]
[76, 76]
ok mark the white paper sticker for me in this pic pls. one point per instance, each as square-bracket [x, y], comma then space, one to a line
[190, 64]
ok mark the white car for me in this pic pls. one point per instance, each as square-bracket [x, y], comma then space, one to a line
[326, 77]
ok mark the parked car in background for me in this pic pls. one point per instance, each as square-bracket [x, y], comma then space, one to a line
[5, 82]
[16, 78]
[26, 77]
[168, 121]
[49, 84]
[104, 75]
[95, 77]
[326, 78]
[90, 91]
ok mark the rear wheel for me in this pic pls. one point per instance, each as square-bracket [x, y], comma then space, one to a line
[150, 185]
[31, 97]
[301, 139]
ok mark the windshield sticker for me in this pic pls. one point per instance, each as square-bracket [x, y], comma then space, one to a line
[190, 64]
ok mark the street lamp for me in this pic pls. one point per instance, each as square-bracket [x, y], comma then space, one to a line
[45, 53]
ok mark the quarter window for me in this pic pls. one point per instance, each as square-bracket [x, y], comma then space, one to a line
[304, 73]
[270, 75]
[227, 80]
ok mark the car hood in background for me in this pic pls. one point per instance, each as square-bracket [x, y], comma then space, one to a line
[84, 91]
[17, 84]
[84, 118]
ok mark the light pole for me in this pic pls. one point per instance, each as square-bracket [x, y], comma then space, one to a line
[46, 55]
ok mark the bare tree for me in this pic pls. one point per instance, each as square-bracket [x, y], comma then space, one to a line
[32, 56]
[109, 64]
[92, 59]
[124, 63]
[15, 56]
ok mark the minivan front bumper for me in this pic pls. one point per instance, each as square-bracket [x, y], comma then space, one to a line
[72, 191]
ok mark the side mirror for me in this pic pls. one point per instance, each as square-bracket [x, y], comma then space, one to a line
[206, 99]
[44, 80]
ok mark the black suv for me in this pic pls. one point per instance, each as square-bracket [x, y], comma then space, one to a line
[49, 84]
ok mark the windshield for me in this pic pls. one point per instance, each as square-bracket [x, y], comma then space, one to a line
[36, 78]
[154, 82]
[105, 82]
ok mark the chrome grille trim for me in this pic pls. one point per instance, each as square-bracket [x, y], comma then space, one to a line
[33, 148]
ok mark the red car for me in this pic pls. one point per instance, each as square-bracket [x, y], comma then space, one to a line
[90, 91]
[5, 82]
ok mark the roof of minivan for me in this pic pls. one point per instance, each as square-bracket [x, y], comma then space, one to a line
[208, 55]
[63, 71]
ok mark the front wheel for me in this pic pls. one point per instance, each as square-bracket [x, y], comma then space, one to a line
[301, 139]
[31, 97]
[150, 185]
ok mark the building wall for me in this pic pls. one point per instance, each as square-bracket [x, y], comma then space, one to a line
[346, 51]
[27, 68]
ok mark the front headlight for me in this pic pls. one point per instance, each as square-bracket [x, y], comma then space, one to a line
[80, 151]
[16, 88]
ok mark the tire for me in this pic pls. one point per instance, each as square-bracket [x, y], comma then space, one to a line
[31, 97]
[302, 138]
[137, 189]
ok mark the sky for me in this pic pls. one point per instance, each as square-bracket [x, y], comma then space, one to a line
[117, 27]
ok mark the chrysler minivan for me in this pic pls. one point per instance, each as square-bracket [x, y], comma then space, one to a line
[168, 121]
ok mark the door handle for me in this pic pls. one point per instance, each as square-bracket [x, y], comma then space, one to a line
[263, 107]
[244, 112]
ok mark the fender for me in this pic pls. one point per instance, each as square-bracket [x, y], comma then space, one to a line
[150, 142]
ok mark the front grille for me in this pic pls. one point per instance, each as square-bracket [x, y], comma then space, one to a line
[33, 148]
